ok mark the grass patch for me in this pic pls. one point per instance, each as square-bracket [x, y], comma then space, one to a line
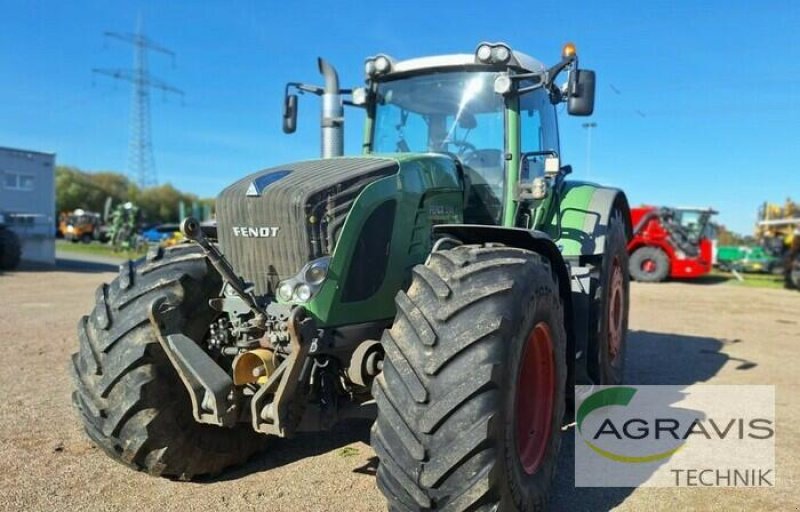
[348, 451]
[750, 280]
[97, 249]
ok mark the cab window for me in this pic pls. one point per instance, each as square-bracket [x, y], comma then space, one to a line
[538, 130]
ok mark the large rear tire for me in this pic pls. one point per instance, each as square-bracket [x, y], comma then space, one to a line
[609, 318]
[10, 249]
[471, 397]
[130, 398]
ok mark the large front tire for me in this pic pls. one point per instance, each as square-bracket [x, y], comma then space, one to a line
[471, 397]
[130, 398]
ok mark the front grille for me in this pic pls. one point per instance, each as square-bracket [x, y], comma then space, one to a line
[308, 204]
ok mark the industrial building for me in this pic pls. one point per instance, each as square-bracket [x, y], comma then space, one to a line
[27, 198]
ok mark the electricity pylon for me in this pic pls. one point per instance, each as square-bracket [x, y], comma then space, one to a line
[141, 164]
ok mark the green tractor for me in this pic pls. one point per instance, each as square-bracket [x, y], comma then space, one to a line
[449, 282]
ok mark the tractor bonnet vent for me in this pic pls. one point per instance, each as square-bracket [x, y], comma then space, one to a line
[274, 221]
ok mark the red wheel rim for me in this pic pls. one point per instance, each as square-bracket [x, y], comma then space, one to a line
[534, 398]
[616, 309]
[649, 266]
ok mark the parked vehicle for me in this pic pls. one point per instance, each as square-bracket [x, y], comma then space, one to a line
[445, 282]
[82, 226]
[160, 233]
[670, 242]
[751, 259]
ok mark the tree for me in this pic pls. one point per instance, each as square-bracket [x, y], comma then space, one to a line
[90, 190]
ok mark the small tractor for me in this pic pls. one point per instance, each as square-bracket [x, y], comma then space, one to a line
[450, 283]
[82, 226]
[10, 246]
[670, 243]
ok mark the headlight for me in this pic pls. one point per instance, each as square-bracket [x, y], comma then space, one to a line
[285, 291]
[302, 292]
[303, 286]
[316, 271]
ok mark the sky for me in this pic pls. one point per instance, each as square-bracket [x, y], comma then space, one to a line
[697, 102]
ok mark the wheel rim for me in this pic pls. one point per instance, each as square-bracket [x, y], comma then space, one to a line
[649, 266]
[534, 398]
[616, 309]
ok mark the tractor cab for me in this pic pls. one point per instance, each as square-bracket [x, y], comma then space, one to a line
[492, 112]
[696, 222]
[456, 113]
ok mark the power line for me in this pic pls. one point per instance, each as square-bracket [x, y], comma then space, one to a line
[141, 163]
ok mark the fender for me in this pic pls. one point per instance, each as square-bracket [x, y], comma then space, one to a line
[584, 211]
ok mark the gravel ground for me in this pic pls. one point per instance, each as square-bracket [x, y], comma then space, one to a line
[681, 333]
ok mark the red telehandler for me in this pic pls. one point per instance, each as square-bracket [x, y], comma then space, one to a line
[670, 242]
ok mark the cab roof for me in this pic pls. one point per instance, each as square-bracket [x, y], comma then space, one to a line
[524, 63]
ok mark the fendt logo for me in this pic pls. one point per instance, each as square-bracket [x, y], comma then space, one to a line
[256, 232]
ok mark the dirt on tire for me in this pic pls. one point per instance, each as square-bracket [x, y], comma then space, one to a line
[130, 398]
[446, 434]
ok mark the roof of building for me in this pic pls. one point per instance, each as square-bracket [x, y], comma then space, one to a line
[28, 151]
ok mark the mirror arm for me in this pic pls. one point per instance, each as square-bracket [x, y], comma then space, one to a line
[555, 70]
[351, 104]
[301, 88]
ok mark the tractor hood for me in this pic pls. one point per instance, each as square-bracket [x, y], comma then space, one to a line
[272, 222]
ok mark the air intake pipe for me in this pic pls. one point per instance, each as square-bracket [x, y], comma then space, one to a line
[332, 121]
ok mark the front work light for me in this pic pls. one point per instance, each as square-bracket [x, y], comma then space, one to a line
[502, 84]
[382, 64]
[484, 53]
[493, 53]
[501, 54]
[306, 283]
[378, 65]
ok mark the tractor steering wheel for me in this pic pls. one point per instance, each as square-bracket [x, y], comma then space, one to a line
[463, 146]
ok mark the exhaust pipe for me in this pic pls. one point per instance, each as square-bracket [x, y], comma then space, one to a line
[332, 113]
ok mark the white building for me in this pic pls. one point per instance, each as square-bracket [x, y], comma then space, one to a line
[28, 197]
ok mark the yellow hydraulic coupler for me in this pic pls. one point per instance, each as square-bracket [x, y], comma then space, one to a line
[253, 367]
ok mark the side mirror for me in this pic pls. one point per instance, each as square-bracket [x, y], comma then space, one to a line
[290, 113]
[581, 93]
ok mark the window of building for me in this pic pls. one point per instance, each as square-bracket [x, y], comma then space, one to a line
[17, 181]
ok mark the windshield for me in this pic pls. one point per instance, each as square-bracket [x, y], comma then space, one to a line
[457, 113]
[695, 222]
